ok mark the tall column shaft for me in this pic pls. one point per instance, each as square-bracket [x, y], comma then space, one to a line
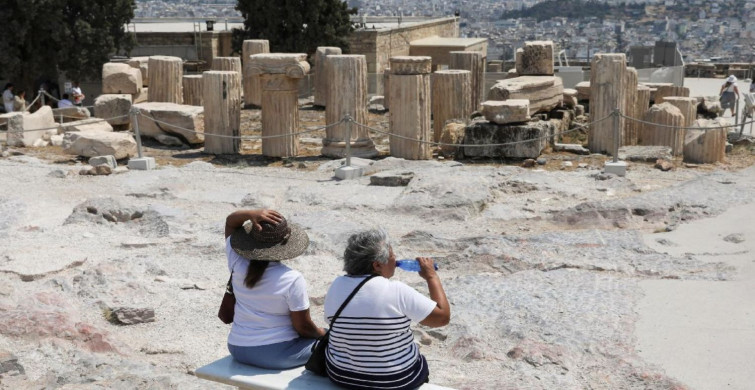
[321, 73]
[607, 93]
[252, 83]
[410, 107]
[474, 62]
[630, 127]
[280, 115]
[192, 89]
[165, 79]
[222, 111]
[450, 98]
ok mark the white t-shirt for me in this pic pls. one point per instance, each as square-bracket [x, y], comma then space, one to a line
[372, 337]
[76, 92]
[262, 313]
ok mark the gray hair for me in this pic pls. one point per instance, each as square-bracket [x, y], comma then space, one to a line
[363, 248]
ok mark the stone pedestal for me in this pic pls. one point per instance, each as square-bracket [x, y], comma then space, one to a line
[386, 88]
[347, 95]
[280, 100]
[507, 111]
[222, 111]
[607, 93]
[667, 115]
[228, 64]
[410, 112]
[536, 59]
[630, 103]
[119, 78]
[665, 91]
[165, 79]
[252, 83]
[192, 89]
[474, 62]
[450, 98]
[321, 73]
[544, 92]
[706, 147]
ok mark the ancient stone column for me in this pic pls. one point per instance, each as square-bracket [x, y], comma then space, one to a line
[410, 107]
[321, 73]
[630, 128]
[688, 107]
[347, 95]
[664, 91]
[450, 98]
[708, 146]
[607, 93]
[472, 61]
[280, 103]
[386, 87]
[165, 79]
[222, 111]
[192, 89]
[230, 64]
[252, 83]
[640, 108]
[669, 118]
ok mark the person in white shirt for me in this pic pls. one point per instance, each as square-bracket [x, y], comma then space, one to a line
[65, 103]
[371, 343]
[78, 96]
[271, 327]
[8, 97]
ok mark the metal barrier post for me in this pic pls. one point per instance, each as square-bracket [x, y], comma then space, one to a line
[134, 116]
[736, 111]
[42, 96]
[61, 118]
[347, 172]
[616, 135]
[140, 163]
[349, 120]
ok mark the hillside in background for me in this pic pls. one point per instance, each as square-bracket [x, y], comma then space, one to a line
[571, 9]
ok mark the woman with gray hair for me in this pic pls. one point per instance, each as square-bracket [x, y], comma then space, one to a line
[371, 343]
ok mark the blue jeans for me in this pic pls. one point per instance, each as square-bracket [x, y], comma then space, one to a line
[279, 356]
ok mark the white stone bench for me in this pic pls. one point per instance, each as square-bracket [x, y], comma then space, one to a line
[231, 372]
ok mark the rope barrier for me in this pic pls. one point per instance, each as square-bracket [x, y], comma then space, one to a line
[684, 128]
[59, 125]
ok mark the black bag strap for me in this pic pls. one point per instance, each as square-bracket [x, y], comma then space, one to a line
[346, 302]
[229, 285]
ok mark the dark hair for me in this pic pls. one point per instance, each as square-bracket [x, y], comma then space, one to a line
[254, 273]
[65, 96]
[8, 85]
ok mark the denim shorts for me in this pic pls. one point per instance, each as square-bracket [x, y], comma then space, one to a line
[279, 356]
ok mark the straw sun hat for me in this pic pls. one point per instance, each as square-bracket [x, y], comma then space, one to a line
[275, 242]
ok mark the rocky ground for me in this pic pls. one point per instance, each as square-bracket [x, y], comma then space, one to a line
[113, 282]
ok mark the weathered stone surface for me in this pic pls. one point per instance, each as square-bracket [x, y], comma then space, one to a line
[95, 125]
[706, 146]
[450, 98]
[222, 111]
[687, 106]
[131, 315]
[664, 165]
[411, 65]
[669, 118]
[141, 63]
[453, 133]
[391, 178]
[544, 92]
[293, 65]
[165, 84]
[120, 78]
[474, 62]
[495, 67]
[116, 106]
[631, 128]
[644, 153]
[387, 88]
[103, 160]
[169, 140]
[192, 89]
[25, 129]
[583, 90]
[70, 114]
[518, 64]
[480, 132]
[571, 148]
[537, 59]
[322, 75]
[252, 83]
[346, 94]
[664, 91]
[507, 111]
[91, 144]
[570, 97]
[99, 170]
[639, 109]
[607, 94]
[9, 364]
[174, 118]
[229, 64]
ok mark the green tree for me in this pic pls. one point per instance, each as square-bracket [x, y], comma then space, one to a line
[41, 38]
[295, 26]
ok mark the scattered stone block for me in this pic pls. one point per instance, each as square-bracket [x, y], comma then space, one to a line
[141, 63]
[579, 110]
[706, 146]
[529, 163]
[131, 316]
[91, 125]
[583, 90]
[537, 59]
[103, 160]
[507, 111]
[91, 144]
[117, 106]
[142, 163]
[119, 78]
[571, 148]
[644, 153]
[453, 133]
[165, 79]
[664, 165]
[665, 91]
[391, 178]
[570, 98]
[618, 168]
[544, 92]
[179, 117]
[669, 118]
[483, 132]
[709, 106]
[20, 126]
[70, 114]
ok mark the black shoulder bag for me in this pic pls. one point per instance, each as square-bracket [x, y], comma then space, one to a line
[316, 362]
[228, 304]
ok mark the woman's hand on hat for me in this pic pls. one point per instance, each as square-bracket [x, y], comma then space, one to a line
[264, 215]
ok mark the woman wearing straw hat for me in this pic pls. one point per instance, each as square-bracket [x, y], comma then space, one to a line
[729, 94]
[272, 327]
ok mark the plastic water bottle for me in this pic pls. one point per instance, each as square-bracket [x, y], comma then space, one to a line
[410, 265]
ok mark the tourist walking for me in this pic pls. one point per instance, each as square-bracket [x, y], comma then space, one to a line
[371, 343]
[8, 97]
[271, 327]
[729, 95]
